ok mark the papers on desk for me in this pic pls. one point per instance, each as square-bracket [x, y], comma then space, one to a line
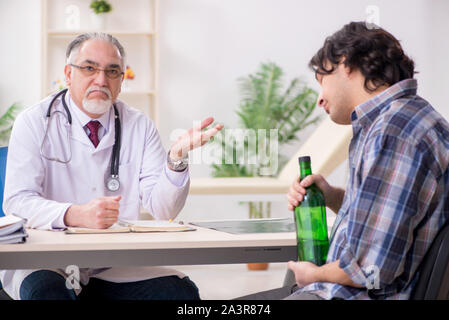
[125, 226]
[12, 230]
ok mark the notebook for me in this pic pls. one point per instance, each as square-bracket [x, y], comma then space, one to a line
[12, 229]
[125, 226]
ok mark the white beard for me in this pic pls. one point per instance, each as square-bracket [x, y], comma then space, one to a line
[97, 106]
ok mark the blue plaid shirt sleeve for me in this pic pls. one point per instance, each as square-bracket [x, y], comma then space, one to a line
[394, 178]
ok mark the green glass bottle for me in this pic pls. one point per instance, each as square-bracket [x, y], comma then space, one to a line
[310, 218]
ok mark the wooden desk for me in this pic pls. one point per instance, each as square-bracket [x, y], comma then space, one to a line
[50, 249]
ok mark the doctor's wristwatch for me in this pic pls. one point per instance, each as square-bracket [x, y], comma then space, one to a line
[178, 165]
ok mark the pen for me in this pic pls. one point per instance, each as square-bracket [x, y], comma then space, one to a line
[123, 223]
[179, 222]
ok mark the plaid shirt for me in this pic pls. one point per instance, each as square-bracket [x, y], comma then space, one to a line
[397, 197]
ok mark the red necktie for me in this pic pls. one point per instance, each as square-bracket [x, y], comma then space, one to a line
[93, 135]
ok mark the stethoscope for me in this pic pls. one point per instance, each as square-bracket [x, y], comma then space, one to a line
[112, 182]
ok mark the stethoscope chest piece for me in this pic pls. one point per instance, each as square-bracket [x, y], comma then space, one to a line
[113, 183]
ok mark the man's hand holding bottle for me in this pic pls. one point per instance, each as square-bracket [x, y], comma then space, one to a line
[333, 196]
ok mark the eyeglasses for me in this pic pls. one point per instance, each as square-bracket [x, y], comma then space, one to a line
[111, 73]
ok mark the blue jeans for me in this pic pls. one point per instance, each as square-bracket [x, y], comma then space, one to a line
[49, 285]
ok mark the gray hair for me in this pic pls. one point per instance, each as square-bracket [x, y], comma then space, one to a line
[75, 45]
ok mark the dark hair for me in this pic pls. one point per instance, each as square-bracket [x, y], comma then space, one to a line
[373, 51]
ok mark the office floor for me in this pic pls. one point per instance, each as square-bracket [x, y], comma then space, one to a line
[224, 282]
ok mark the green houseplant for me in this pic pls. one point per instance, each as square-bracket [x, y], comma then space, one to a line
[6, 122]
[100, 6]
[267, 104]
[98, 17]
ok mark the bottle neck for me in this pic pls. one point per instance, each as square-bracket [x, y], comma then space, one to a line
[305, 169]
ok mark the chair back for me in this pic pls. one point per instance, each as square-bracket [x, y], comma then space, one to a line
[433, 279]
[3, 155]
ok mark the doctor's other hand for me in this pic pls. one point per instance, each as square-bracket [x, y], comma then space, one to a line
[99, 213]
[193, 138]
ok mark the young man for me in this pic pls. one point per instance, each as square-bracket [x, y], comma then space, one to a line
[397, 197]
[58, 175]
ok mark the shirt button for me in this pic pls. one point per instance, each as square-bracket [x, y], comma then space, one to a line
[94, 189]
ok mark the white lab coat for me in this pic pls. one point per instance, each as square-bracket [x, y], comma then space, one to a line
[41, 191]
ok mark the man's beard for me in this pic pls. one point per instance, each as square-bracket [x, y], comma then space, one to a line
[97, 106]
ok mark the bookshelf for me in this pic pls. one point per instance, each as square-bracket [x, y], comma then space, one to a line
[133, 22]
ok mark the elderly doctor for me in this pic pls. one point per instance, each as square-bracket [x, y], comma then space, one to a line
[96, 161]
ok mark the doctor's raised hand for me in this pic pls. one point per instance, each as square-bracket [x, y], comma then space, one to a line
[191, 139]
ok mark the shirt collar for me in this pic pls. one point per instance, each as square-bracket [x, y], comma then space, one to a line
[84, 119]
[365, 114]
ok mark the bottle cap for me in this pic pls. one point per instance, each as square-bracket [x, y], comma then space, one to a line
[304, 159]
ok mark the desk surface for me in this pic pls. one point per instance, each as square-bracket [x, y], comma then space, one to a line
[49, 249]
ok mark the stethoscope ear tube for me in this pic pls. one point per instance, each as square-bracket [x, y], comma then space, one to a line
[113, 182]
[62, 92]
[115, 159]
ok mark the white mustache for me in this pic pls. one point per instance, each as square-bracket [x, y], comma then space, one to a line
[96, 88]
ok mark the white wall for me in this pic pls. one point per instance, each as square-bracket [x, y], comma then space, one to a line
[20, 44]
[205, 45]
